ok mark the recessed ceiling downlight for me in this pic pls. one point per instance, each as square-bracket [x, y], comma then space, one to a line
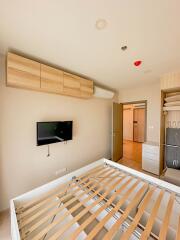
[101, 24]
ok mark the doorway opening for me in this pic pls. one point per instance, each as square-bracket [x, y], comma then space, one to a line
[134, 133]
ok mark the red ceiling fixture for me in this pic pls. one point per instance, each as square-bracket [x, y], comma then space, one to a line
[137, 63]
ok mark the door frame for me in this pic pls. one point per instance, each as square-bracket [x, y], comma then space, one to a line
[120, 131]
[145, 125]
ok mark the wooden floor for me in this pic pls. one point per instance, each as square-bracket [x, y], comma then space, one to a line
[132, 155]
[5, 226]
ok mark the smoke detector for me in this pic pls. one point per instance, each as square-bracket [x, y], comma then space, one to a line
[101, 24]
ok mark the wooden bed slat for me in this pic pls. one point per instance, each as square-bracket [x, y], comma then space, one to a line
[75, 198]
[138, 216]
[39, 216]
[57, 221]
[49, 193]
[123, 217]
[178, 231]
[62, 198]
[152, 217]
[97, 212]
[167, 216]
[112, 212]
[52, 197]
[94, 184]
[61, 231]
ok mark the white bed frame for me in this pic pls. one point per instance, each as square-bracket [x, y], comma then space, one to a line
[17, 206]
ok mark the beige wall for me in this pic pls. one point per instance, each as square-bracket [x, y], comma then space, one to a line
[23, 165]
[151, 93]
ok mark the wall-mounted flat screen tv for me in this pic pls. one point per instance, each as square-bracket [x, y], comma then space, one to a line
[52, 132]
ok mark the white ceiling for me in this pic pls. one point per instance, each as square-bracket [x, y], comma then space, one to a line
[63, 32]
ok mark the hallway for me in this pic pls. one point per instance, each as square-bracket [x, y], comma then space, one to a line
[134, 134]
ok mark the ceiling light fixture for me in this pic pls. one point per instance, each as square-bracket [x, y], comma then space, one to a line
[101, 24]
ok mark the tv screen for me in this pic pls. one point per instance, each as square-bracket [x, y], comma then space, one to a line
[52, 132]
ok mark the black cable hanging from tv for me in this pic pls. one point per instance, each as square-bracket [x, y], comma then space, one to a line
[48, 154]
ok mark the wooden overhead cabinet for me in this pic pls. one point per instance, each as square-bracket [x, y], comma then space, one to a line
[86, 88]
[28, 74]
[72, 85]
[51, 79]
[77, 87]
[22, 72]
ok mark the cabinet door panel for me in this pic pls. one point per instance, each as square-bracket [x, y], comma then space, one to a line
[51, 79]
[23, 72]
[72, 85]
[86, 88]
[28, 74]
